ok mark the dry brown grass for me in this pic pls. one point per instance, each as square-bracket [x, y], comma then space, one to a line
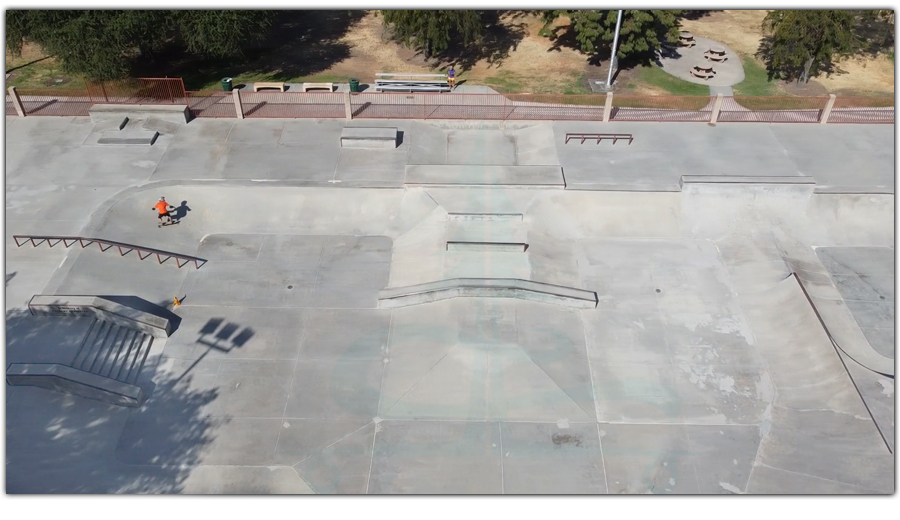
[862, 75]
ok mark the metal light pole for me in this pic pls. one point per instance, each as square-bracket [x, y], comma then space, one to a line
[612, 59]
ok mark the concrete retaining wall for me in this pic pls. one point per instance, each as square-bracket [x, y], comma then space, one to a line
[70, 380]
[128, 311]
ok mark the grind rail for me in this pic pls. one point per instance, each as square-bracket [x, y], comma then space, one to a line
[142, 252]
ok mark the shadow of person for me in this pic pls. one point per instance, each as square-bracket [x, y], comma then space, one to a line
[181, 211]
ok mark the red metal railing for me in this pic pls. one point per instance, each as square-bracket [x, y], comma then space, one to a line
[54, 102]
[661, 108]
[138, 91]
[123, 248]
[772, 109]
[10, 107]
[862, 110]
[211, 103]
[293, 104]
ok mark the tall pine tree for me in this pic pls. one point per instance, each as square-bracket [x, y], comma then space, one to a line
[434, 31]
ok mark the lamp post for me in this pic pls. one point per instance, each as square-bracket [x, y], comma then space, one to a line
[612, 59]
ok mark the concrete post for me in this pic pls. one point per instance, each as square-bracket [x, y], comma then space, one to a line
[607, 108]
[717, 105]
[238, 107]
[827, 111]
[17, 102]
[348, 109]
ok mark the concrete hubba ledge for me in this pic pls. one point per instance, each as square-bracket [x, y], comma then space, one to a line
[127, 311]
[173, 113]
[134, 137]
[369, 138]
[744, 179]
[495, 247]
[60, 378]
[484, 217]
[470, 175]
[486, 288]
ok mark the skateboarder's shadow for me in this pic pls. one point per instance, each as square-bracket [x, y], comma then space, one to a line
[181, 211]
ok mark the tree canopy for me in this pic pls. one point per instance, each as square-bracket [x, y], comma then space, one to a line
[434, 31]
[101, 43]
[641, 34]
[800, 44]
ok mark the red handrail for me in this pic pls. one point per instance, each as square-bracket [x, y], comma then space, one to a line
[52, 241]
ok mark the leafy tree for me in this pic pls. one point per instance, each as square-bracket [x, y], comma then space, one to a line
[101, 43]
[801, 44]
[641, 34]
[434, 31]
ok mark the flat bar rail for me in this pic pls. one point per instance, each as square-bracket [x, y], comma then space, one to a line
[599, 137]
[142, 252]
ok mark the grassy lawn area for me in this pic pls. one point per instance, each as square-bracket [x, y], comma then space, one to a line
[33, 70]
[507, 82]
[756, 81]
[656, 77]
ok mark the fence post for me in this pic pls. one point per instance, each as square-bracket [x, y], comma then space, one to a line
[607, 108]
[20, 109]
[238, 107]
[348, 108]
[717, 106]
[827, 111]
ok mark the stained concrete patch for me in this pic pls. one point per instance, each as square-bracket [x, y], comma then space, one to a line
[428, 457]
[723, 456]
[342, 467]
[545, 459]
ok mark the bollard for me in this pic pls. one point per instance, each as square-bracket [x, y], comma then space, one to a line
[238, 107]
[826, 112]
[17, 102]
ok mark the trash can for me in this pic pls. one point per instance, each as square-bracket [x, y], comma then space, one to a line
[354, 85]
[227, 85]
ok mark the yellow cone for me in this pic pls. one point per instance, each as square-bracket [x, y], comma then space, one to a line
[176, 302]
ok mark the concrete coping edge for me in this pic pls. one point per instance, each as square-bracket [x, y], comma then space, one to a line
[490, 287]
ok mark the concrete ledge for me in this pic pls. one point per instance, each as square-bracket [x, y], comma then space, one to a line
[127, 311]
[736, 179]
[61, 378]
[483, 217]
[173, 113]
[469, 175]
[486, 288]
[137, 137]
[496, 247]
[354, 137]
[855, 190]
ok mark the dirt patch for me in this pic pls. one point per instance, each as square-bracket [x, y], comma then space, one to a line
[811, 89]
[564, 438]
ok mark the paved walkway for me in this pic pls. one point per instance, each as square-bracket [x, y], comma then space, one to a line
[680, 62]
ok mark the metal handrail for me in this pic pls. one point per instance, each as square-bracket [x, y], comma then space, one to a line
[68, 241]
[598, 137]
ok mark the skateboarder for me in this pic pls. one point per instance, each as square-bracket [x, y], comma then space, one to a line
[451, 77]
[163, 208]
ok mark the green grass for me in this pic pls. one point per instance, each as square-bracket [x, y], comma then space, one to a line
[40, 74]
[756, 81]
[505, 82]
[577, 85]
[657, 77]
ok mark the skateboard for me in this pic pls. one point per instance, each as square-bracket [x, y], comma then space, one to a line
[169, 223]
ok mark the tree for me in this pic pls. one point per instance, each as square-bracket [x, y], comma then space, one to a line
[101, 43]
[433, 31]
[641, 34]
[801, 44]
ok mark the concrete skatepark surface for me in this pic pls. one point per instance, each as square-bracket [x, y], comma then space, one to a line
[703, 369]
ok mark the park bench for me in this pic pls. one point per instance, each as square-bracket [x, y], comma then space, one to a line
[312, 86]
[599, 137]
[395, 82]
[268, 84]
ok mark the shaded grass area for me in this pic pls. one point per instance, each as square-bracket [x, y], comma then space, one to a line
[41, 72]
[756, 80]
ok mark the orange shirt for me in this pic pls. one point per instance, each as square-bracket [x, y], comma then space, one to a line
[162, 207]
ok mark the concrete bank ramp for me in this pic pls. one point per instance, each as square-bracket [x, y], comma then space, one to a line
[468, 175]
[486, 288]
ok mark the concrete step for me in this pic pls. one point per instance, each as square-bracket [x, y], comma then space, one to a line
[497, 236]
[113, 351]
[129, 137]
[472, 175]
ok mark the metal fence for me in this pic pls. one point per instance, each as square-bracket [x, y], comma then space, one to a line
[138, 91]
[510, 107]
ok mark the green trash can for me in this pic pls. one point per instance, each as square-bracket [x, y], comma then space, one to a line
[354, 85]
[227, 84]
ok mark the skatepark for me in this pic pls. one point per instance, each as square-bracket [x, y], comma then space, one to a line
[482, 307]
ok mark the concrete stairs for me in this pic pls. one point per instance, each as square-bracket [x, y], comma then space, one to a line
[113, 351]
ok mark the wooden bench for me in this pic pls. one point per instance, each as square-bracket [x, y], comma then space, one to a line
[313, 86]
[599, 137]
[268, 84]
[396, 82]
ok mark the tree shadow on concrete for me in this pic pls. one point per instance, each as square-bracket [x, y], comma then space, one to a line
[300, 43]
[59, 443]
